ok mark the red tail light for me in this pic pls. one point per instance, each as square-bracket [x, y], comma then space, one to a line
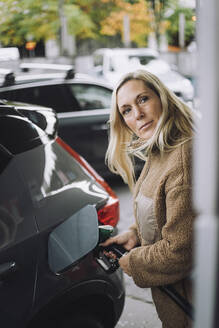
[109, 214]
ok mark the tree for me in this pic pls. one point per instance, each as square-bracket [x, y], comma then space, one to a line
[25, 20]
[140, 21]
[173, 26]
[39, 20]
[97, 10]
[156, 9]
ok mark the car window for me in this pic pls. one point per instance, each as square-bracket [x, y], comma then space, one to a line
[98, 60]
[91, 96]
[45, 95]
[144, 60]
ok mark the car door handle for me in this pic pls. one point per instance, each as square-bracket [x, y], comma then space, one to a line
[6, 269]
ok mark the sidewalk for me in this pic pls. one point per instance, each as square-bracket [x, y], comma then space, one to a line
[139, 310]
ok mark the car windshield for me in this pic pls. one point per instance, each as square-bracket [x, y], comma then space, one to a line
[120, 62]
[143, 60]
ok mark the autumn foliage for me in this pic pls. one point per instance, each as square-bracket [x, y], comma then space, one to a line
[140, 18]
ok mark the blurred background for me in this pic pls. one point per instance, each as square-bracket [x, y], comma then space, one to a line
[71, 30]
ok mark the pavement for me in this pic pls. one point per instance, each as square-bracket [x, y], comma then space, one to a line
[139, 310]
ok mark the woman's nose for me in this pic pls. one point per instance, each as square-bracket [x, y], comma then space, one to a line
[138, 113]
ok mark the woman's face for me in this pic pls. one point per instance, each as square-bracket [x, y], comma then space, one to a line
[140, 107]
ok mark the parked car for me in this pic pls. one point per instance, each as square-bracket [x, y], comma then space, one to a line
[111, 64]
[175, 81]
[9, 53]
[52, 204]
[9, 57]
[82, 104]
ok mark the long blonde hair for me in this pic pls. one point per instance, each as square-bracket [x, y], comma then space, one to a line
[174, 127]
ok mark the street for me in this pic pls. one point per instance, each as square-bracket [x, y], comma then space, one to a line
[139, 310]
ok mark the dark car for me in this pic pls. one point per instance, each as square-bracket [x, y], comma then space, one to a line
[52, 206]
[82, 104]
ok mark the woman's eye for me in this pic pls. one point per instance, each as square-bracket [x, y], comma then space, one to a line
[126, 111]
[143, 99]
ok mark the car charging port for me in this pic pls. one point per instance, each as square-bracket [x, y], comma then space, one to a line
[108, 257]
[109, 265]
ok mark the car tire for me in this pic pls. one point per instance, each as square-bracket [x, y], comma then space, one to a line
[82, 321]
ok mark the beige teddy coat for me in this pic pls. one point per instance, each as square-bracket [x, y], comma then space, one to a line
[164, 225]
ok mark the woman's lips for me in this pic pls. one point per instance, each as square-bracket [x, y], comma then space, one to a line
[146, 125]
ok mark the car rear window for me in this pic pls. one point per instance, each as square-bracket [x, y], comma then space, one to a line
[91, 96]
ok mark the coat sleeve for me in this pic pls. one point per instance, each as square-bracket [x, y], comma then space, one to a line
[169, 259]
[133, 227]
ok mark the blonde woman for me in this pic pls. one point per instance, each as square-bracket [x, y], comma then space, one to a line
[147, 120]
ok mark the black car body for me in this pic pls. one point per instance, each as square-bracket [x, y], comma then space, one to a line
[82, 104]
[51, 204]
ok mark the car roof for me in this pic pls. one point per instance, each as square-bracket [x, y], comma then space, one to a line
[44, 76]
[9, 53]
[53, 81]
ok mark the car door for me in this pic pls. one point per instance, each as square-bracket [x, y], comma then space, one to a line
[18, 246]
[85, 128]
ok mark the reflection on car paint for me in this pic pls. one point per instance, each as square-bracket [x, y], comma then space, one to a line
[9, 221]
[57, 176]
[85, 185]
[14, 207]
[46, 121]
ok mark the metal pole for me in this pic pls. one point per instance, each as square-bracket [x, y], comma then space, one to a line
[62, 24]
[206, 168]
[126, 29]
[181, 30]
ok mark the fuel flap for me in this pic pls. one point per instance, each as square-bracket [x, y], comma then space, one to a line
[73, 239]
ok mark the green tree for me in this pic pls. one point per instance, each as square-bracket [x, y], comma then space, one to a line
[97, 10]
[39, 20]
[159, 8]
[173, 26]
[20, 21]
[23, 20]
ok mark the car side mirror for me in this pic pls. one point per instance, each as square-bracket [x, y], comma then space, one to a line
[73, 239]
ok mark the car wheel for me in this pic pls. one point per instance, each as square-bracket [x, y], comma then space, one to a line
[82, 321]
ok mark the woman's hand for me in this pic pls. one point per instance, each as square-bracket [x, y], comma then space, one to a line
[127, 239]
[124, 264]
